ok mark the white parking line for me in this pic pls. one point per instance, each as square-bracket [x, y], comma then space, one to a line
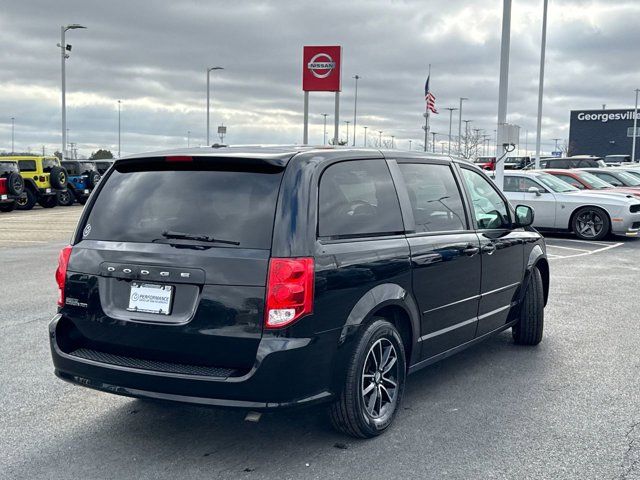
[590, 252]
[569, 248]
[6, 241]
[582, 241]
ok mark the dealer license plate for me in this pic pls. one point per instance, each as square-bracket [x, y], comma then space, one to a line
[150, 298]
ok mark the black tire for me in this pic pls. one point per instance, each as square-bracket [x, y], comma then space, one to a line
[8, 207]
[528, 330]
[94, 178]
[590, 223]
[15, 184]
[350, 414]
[27, 201]
[49, 201]
[66, 198]
[58, 178]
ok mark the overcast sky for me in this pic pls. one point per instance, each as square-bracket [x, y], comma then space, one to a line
[153, 55]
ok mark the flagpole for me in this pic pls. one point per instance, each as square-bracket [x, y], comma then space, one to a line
[426, 115]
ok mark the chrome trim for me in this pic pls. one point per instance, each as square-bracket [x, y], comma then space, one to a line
[451, 304]
[501, 289]
[493, 312]
[447, 329]
[463, 324]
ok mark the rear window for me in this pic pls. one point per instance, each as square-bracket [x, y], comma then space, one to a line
[140, 203]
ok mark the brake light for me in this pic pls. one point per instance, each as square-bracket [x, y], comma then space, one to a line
[61, 272]
[43, 179]
[3, 185]
[289, 291]
[178, 158]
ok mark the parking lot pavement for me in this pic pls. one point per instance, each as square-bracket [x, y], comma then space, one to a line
[567, 409]
[38, 226]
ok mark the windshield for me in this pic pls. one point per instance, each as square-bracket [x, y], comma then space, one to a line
[141, 203]
[8, 167]
[555, 184]
[628, 179]
[593, 181]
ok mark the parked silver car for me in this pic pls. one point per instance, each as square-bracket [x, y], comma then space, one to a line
[590, 214]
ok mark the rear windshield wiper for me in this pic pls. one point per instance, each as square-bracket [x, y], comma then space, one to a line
[196, 237]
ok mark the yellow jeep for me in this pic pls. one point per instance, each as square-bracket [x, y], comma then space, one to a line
[43, 178]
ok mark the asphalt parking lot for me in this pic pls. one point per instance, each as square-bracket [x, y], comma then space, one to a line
[569, 408]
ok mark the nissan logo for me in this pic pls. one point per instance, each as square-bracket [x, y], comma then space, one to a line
[321, 65]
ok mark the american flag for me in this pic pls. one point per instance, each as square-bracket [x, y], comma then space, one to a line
[430, 98]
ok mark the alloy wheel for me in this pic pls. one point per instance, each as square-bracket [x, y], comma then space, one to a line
[590, 224]
[379, 384]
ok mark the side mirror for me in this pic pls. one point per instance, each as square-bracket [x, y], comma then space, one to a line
[524, 216]
[535, 190]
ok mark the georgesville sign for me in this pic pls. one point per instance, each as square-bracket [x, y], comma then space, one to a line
[321, 69]
[601, 132]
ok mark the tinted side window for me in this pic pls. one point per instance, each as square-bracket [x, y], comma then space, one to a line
[358, 198]
[490, 210]
[434, 196]
[27, 165]
[520, 184]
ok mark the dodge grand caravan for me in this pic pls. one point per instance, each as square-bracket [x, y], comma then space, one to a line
[266, 277]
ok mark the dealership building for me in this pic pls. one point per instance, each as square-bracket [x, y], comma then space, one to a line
[602, 132]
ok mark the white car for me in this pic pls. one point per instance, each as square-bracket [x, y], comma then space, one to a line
[590, 214]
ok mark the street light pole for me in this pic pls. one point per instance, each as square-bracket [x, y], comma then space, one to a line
[635, 128]
[365, 137]
[466, 137]
[460, 125]
[13, 130]
[188, 138]
[380, 132]
[355, 109]
[393, 137]
[119, 144]
[505, 47]
[347, 122]
[410, 145]
[433, 141]
[209, 70]
[556, 140]
[324, 134]
[451, 110]
[543, 47]
[64, 55]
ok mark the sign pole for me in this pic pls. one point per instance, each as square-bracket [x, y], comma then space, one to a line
[305, 134]
[336, 125]
[635, 128]
[543, 47]
[502, 91]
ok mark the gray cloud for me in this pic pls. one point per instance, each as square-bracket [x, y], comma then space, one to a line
[153, 56]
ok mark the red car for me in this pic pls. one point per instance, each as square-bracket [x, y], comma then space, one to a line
[587, 181]
[486, 163]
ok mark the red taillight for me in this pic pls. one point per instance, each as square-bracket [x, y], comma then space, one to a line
[3, 185]
[61, 272]
[178, 158]
[289, 291]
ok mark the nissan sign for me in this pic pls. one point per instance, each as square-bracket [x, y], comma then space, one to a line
[321, 69]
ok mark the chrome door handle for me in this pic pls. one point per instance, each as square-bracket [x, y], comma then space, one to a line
[489, 249]
[470, 250]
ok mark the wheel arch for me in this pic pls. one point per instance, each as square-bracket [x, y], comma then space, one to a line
[581, 207]
[396, 305]
[538, 259]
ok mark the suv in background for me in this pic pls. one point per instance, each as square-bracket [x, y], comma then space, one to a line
[102, 165]
[11, 185]
[572, 162]
[617, 160]
[486, 163]
[516, 163]
[43, 179]
[82, 178]
[272, 277]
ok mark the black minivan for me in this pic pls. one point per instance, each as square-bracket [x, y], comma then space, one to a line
[271, 277]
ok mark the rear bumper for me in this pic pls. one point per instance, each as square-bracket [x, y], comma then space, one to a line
[288, 372]
[6, 199]
[48, 192]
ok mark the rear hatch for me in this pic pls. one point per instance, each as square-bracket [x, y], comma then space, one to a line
[172, 261]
